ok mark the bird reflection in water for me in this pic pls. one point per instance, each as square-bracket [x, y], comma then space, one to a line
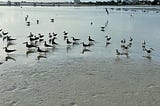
[68, 48]
[148, 57]
[41, 57]
[9, 58]
[10, 44]
[30, 51]
[85, 50]
[1, 63]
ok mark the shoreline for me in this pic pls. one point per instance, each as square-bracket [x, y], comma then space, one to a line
[119, 7]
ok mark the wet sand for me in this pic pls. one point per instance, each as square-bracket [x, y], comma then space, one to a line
[84, 81]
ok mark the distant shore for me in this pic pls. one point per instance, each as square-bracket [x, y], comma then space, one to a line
[58, 4]
[108, 3]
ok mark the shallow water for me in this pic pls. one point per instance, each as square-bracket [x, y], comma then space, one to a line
[67, 77]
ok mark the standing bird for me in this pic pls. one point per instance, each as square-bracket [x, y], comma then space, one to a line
[117, 52]
[37, 21]
[130, 39]
[52, 20]
[86, 45]
[53, 41]
[41, 51]
[47, 45]
[29, 45]
[4, 33]
[91, 23]
[149, 50]
[108, 38]
[144, 45]
[90, 39]
[106, 10]
[75, 39]
[68, 42]
[65, 35]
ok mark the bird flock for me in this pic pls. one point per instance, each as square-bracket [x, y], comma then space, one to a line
[35, 42]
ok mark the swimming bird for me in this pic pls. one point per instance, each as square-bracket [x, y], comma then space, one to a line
[9, 50]
[90, 39]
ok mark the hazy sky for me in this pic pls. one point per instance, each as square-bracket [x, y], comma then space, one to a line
[55, 0]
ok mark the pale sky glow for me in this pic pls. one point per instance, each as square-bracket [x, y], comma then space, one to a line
[54, 0]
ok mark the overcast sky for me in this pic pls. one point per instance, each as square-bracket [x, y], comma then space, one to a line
[55, 0]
